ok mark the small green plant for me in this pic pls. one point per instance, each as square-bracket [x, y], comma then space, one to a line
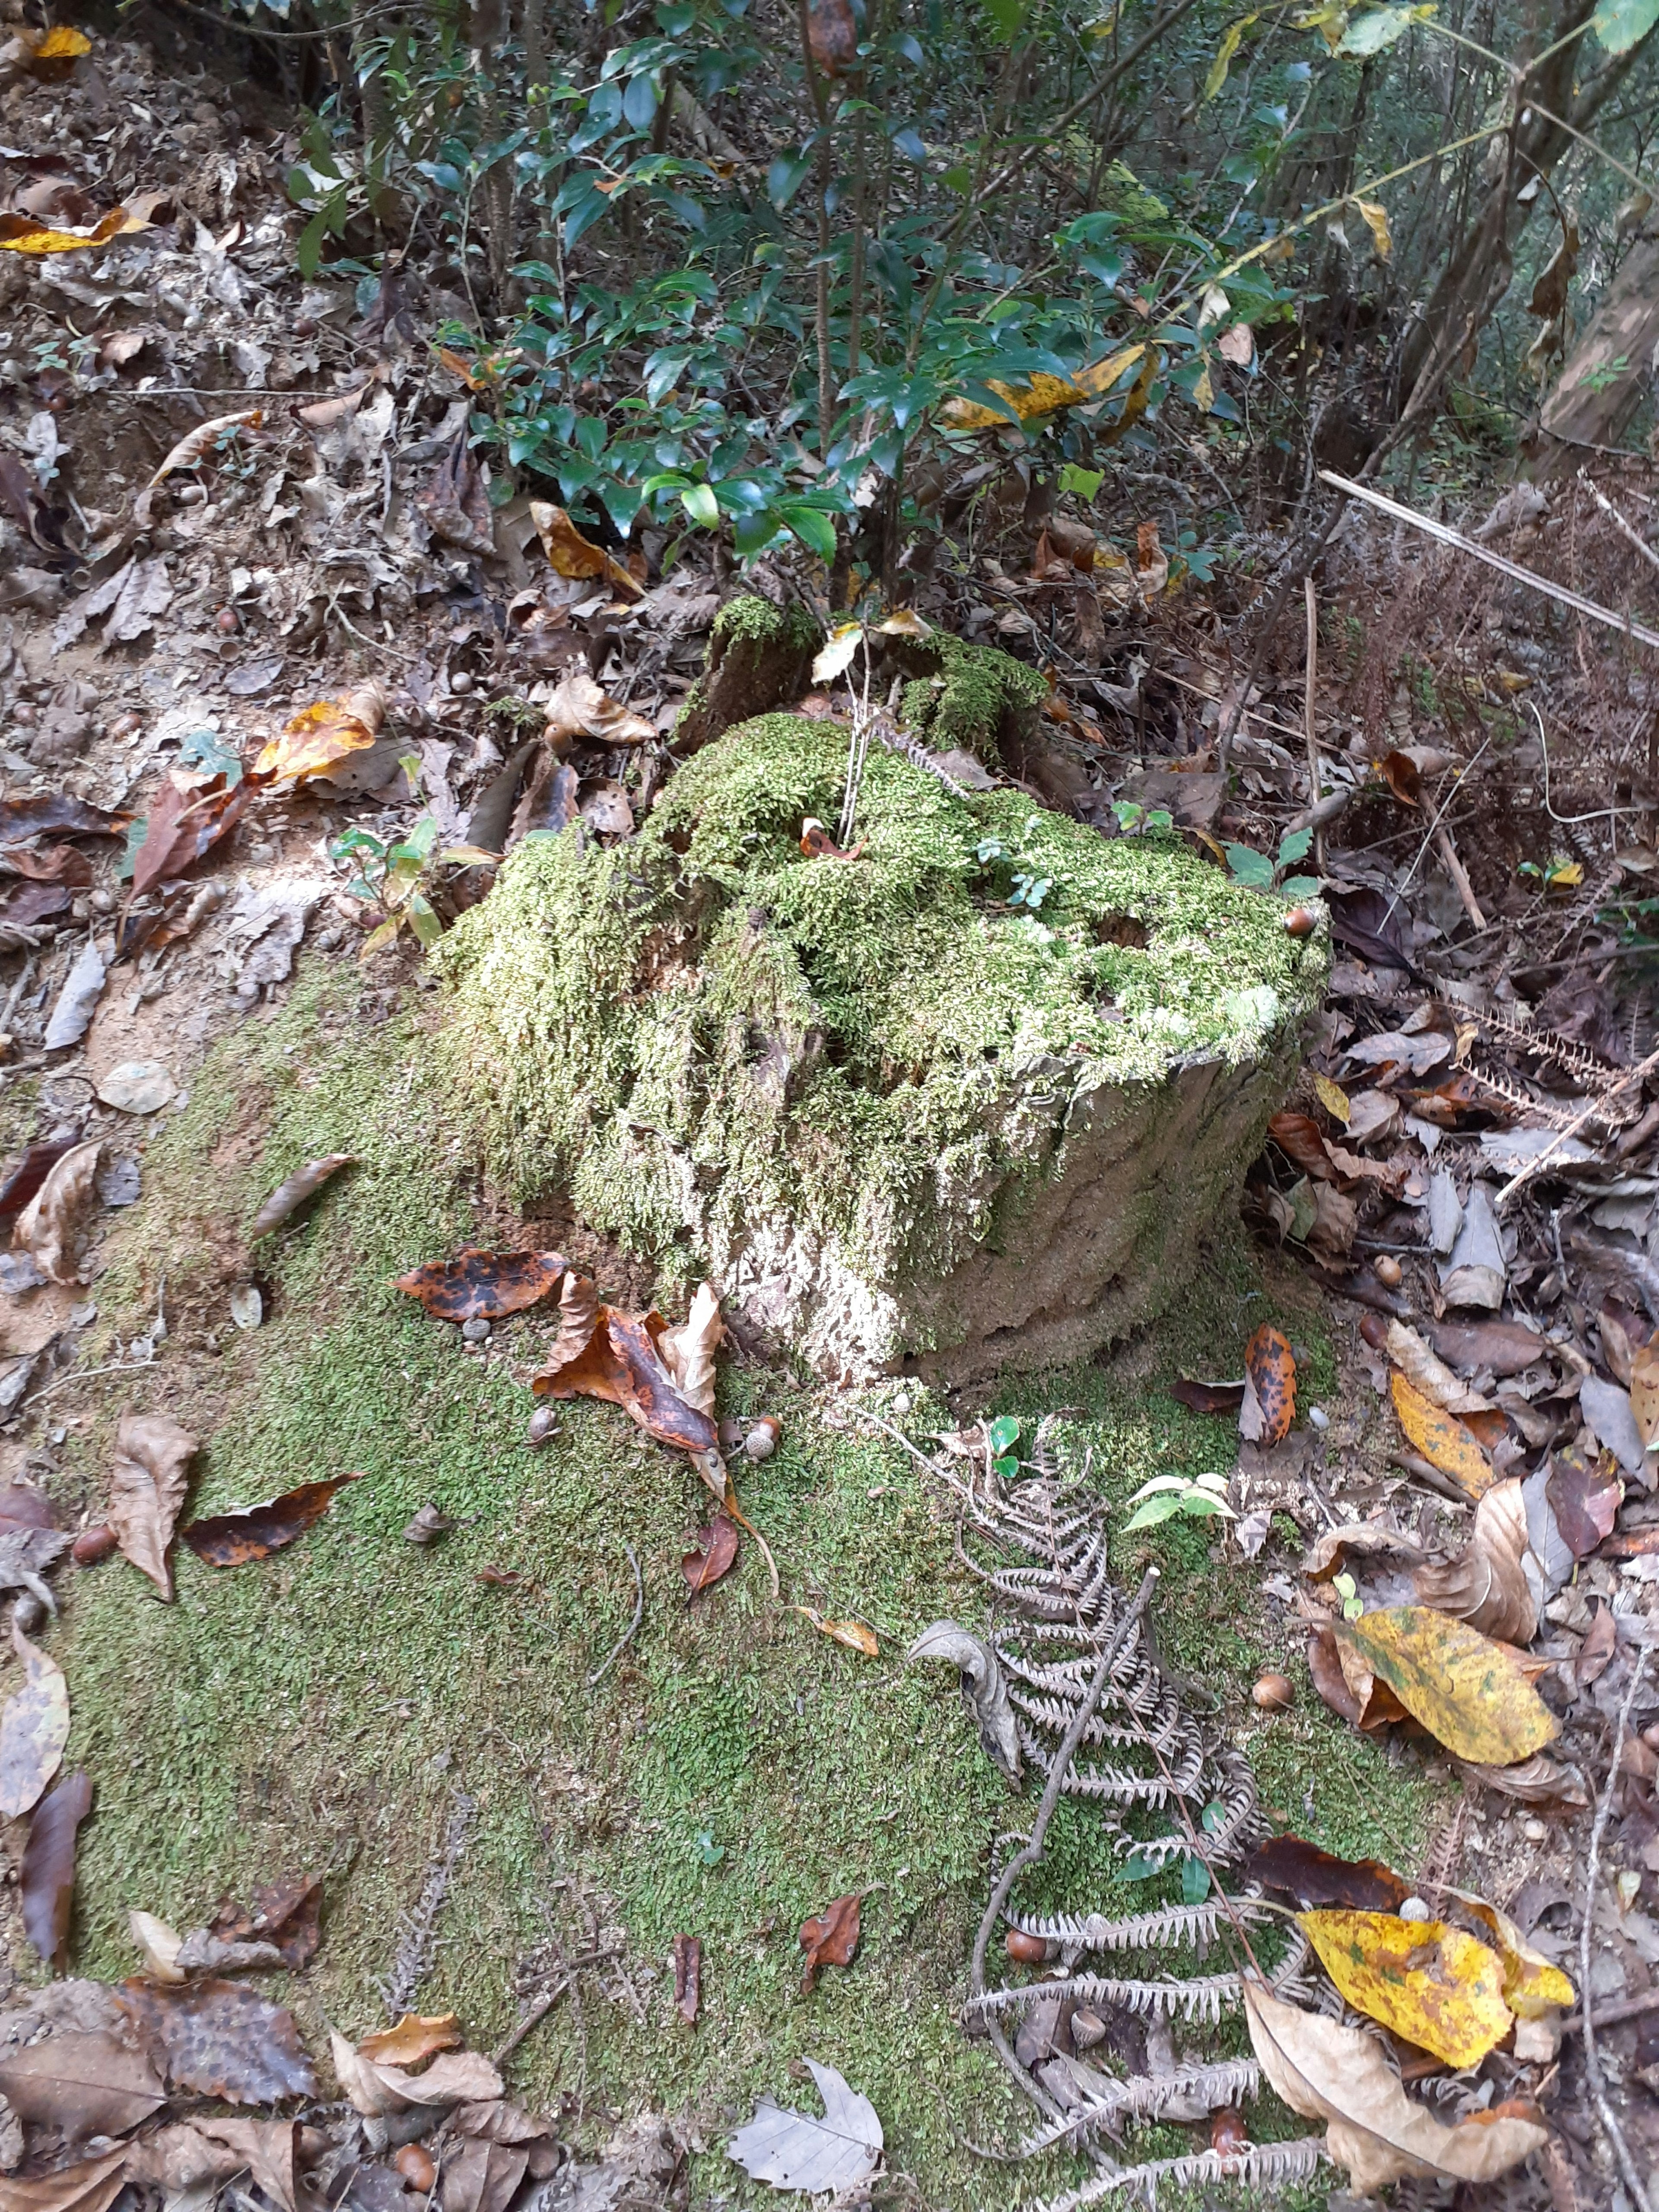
[1352, 1604]
[1134, 820]
[396, 875]
[1169, 1495]
[1002, 1436]
[1258, 873]
[1027, 886]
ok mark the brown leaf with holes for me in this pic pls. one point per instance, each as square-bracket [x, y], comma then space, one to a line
[713, 1554]
[477, 1285]
[147, 1490]
[1584, 1499]
[831, 1940]
[1314, 1877]
[1486, 1584]
[231, 1540]
[287, 1914]
[221, 2040]
[46, 1880]
[1270, 1370]
[414, 2037]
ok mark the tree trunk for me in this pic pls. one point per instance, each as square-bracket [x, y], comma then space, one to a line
[1601, 387]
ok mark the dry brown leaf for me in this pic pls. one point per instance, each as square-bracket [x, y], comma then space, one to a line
[579, 708]
[1442, 1439]
[269, 2149]
[34, 1728]
[221, 2040]
[415, 2036]
[1342, 2075]
[1486, 1584]
[456, 2078]
[1645, 1389]
[316, 740]
[194, 448]
[570, 554]
[46, 1882]
[147, 1491]
[830, 1940]
[688, 1351]
[92, 2186]
[579, 1317]
[46, 1227]
[159, 1944]
[1428, 1375]
[79, 2085]
[292, 1193]
[853, 1633]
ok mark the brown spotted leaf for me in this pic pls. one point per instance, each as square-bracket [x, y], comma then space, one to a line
[79, 2085]
[1270, 1367]
[620, 1363]
[1438, 1987]
[1441, 1438]
[47, 1878]
[231, 1540]
[220, 2040]
[830, 1940]
[287, 1914]
[477, 1285]
[147, 1488]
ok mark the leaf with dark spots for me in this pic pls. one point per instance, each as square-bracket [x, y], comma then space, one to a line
[181, 826]
[713, 1555]
[50, 812]
[1300, 1869]
[1208, 1397]
[1298, 1137]
[1585, 1500]
[231, 1540]
[1269, 1405]
[829, 1940]
[652, 1400]
[291, 1194]
[31, 1171]
[221, 2041]
[287, 1914]
[477, 1285]
[48, 1871]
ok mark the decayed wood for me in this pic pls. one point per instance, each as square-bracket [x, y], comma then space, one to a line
[1600, 389]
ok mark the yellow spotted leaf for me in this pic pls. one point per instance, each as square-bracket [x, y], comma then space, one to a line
[853, 1633]
[318, 737]
[62, 45]
[1441, 1438]
[1333, 1098]
[22, 233]
[1532, 1986]
[1438, 1987]
[1100, 378]
[1471, 1694]
[1377, 222]
[1043, 394]
[1224, 55]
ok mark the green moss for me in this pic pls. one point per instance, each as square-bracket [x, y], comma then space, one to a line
[705, 1015]
[977, 696]
[755, 622]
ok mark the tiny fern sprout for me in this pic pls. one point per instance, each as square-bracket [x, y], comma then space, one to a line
[1169, 1495]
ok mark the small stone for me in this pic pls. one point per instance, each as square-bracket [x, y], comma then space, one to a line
[476, 1330]
[1414, 1909]
[428, 1526]
[902, 1403]
[1389, 1272]
[82, 1316]
[1533, 1831]
[137, 1087]
[91, 1545]
[28, 1614]
[248, 1308]
[543, 1426]
[762, 1440]
[1318, 1416]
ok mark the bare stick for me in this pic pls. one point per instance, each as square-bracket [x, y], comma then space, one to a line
[1591, 1113]
[633, 1627]
[1604, 2110]
[1312, 598]
[1448, 536]
[1459, 874]
[1619, 522]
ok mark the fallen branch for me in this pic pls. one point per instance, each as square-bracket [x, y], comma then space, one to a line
[1591, 1113]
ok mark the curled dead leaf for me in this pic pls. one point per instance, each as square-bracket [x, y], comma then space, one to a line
[148, 1481]
[291, 1194]
[830, 1940]
[581, 707]
[414, 2037]
[320, 737]
[853, 1633]
[1487, 1585]
[688, 1351]
[232, 1539]
[34, 1728]
[195, 446]
[376, 2090]
[570, 554]
[1428, 1375]
[46, 1877]
[46, 1227]
[1269, 1406]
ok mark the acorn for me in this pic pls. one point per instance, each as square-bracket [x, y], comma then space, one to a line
[1389, 1272]
[1301, 921]
[414, 2162]
[1025, 1950]
[762, 1440]
[91, 1545]
[1275, 1693]
[1229, 2135]
[228, 622]
[543, 1426]
[1088, 2028]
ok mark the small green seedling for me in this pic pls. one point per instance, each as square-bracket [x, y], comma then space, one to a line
[1258, 873]
[1352, 1604]
[1167, 1496]
[1002, 1435]
[394, 874]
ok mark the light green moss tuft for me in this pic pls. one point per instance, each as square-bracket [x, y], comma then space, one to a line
[978, 696]
[705, 1013]
[757, 622]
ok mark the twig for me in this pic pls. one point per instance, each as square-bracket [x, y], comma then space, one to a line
[1617, 520]
[1459, 874]
[544, 2003]
[1309, 737]
[1604, 2110]
[633, 1627]
[1448, 536]
[1591, 1113]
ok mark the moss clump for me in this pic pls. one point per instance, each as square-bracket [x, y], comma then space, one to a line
[759, 655]
[703, 1031]
[979, 700]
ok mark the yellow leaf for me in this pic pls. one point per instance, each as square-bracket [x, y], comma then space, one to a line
[1532, 1986]
[62, 45]
[904, 621]
[1377, 222]
[1331, 22]
[1224, 55]
[1204, 390]
[1471, 1694]
[416, 2036]
[1565, 877]
[22, 233]
[1282, 248]
[1438, 1987]
[1098, 380]
[1333, 1098]
[853, 1633]
[318, 737]
[1041, 396]
[570, 554]
[1442, 1439]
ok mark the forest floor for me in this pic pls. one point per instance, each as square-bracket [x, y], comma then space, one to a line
[495, 1813]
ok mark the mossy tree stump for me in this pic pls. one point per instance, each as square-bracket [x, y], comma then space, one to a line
[906, 1124]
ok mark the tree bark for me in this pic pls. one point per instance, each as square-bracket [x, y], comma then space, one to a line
[1601, 387]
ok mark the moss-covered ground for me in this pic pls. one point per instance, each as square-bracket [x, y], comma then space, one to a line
[731, 1773]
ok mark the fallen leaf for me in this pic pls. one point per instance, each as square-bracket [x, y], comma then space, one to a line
[456, 2077]
[482, 1285]
[1595, 1654]
[1532, 1985]
[688, 1353]
[34, 1728]
[158, 1945]
[793, 2150]
[1298, 1137]
[618, 1361]
[688, 1977]
[605, 810]
[146, 591]
[853, 1633]
[1475, 1272]
[77, 1001]
[1342, 2075]
[31, 1171]
[581, 707]
[204, 440]
[221, 2040]
[1608, 1412]
[1333, 1098]
[21, 233]
[23, 1506]
[79, 2085]
[1224, 1398]
[269, 2149]
[1487, 1585]
[714, 1553]
[1584, 1499]
[231, 1540]
[1645, 1389]
[415, 2036]
[1314, 1877]
[1425, 1980]
[1539, 1780]
[1270, 1367]
[291, 1194]
[1428, 1375]
[570, 554]
[46, 1879]
[182, 825]
[1469, 1692]
[46, 1227]
[1442, 1439]
[456, 500]
[147, 1490]
[830, 1940]
[43, 812]
[92, 2186]
[317, 738]
[286, 1913]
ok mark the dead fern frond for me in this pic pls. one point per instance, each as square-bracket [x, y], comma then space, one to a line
[1263, 2166]
[1100, 2102]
